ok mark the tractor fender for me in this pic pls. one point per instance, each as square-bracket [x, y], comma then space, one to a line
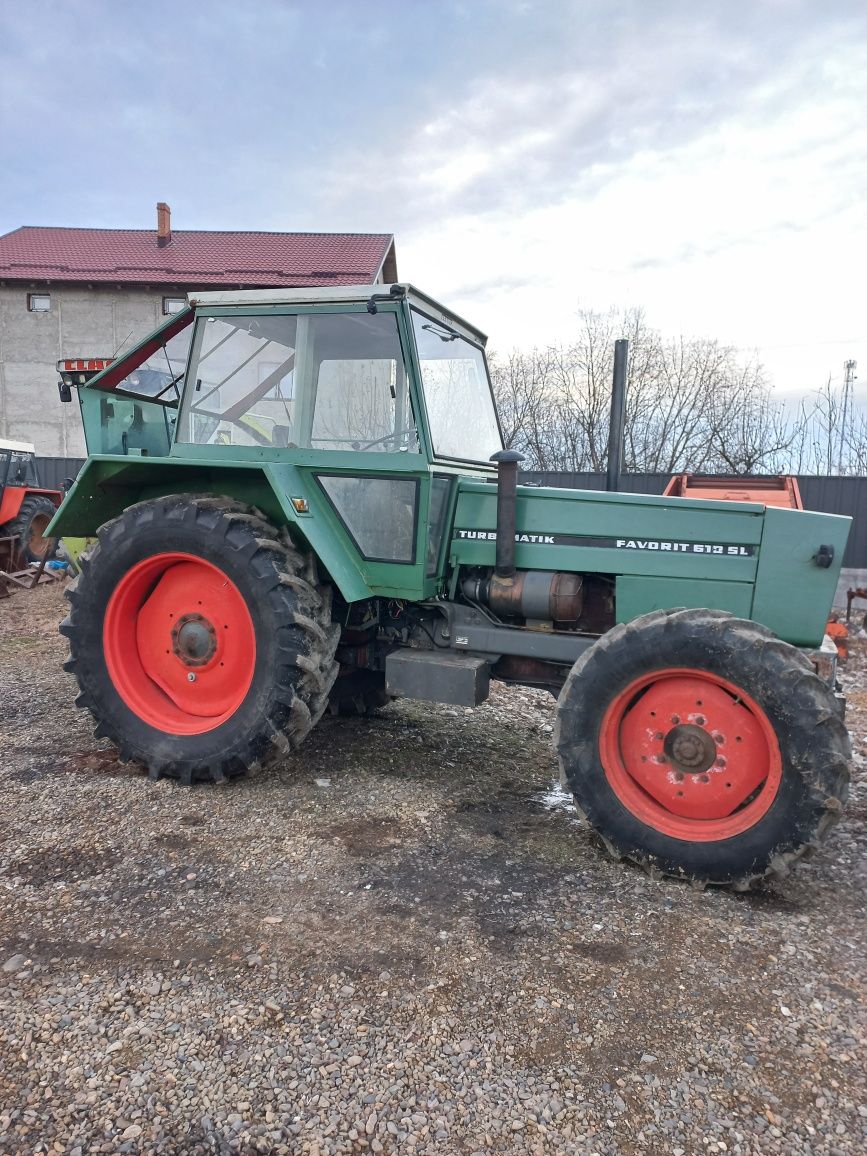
[106, 486]
[13, 498]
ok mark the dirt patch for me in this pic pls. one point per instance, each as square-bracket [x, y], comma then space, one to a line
[607, 953]
[192, 820]
[58, 864]
[365, 838]
[88, 761]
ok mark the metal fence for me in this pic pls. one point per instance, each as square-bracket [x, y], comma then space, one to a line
[828, 495]
[53, 472]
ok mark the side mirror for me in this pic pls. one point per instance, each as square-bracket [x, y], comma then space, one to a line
[65, 390]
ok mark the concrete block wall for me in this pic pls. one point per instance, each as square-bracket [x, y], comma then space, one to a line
[82, 322]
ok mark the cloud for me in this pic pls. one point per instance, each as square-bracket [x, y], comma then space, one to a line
[750, 227]
[633, 79]
[706, 161]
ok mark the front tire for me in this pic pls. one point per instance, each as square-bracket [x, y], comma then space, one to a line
[701, 746]
[201, 639]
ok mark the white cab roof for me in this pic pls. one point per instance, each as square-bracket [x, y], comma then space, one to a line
[17, 447]
[338, 294]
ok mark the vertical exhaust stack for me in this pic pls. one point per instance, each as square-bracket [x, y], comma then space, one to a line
[507, 488]
[618, 415]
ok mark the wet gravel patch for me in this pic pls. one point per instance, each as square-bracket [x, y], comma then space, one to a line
[399, 940]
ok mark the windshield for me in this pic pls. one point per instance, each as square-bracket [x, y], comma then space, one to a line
[463, 421]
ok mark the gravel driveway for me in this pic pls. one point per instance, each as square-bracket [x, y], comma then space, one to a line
[401, 940]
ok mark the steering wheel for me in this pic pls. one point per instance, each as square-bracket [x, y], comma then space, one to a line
[378, 441]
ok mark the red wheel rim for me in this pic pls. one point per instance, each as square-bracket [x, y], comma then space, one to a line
[38, 543]
[690, 755]
[179, 643]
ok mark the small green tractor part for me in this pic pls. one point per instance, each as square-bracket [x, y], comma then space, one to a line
[301, 502]
[26, 508]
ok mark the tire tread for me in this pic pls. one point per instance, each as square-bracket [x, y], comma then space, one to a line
[308, 640]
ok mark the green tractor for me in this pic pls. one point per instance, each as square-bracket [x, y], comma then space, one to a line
[301, 501]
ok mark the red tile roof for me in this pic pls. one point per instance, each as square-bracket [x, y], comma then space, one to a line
[193, 258]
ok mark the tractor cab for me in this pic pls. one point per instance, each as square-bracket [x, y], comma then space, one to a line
[17, 465]
[367, 401]
[345, 371]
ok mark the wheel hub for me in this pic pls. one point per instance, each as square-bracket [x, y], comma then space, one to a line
[690, 748]
[194, 640]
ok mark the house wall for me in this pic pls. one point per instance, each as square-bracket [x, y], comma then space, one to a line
[83, 322]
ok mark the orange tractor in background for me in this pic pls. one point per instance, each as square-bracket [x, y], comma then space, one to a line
[26, 508]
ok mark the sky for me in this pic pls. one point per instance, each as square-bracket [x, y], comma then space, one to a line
[703, 159]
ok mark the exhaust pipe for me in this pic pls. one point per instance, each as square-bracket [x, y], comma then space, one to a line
[507, 488]
[618, 415]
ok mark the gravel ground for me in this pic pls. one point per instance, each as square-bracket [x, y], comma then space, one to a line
[401, 940]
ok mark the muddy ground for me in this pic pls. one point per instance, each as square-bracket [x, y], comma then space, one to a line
[398, 940]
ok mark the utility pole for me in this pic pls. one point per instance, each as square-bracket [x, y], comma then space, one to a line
[849, 368]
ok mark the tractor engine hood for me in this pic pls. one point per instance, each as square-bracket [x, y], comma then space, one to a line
[777, 566]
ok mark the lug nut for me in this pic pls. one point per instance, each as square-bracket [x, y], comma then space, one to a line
[191, 677]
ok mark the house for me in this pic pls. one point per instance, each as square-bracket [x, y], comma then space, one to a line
[92, 292]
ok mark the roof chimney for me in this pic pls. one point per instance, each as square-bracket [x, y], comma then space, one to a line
[164, 225]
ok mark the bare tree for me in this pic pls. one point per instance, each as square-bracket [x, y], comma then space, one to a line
[692, 405]
[753, 432]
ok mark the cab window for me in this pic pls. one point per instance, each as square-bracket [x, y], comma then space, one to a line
[330, 381]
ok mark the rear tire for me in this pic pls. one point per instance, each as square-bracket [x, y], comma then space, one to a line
[747, 770]
[200, 637]
[30, 526]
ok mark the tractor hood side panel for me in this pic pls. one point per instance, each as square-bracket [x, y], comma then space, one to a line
[666, 552]
[794, 594]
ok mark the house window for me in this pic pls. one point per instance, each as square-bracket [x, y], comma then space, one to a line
[39, 302]
[173, 305]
